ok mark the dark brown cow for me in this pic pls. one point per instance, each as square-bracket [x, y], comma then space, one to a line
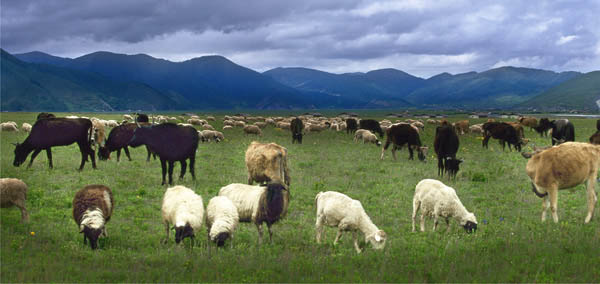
[297, 127]
[401, 134]
[446, 145]
[502, 131]
[118, 139]
[50, 132]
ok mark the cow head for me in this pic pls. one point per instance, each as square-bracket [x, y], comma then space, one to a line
[21, 153]
[452, 166]
[103, 153]
[140, 135]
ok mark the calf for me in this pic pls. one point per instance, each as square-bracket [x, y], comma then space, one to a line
[351, 125]
[297, 127]
[562, 131]
[50, 132]
[171, 143]
[502, 131]
[446, 145]
[371, 125]
[118, 139]
[401, 134]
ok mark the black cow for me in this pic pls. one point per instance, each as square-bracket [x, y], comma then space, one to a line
[401, 134]
[297, 127]
[502, 131]
[142, 117]
[543, 126]
[562, 131]
[50, 132]
[118, 139]
[371, 125]
[43, 115]
[351, 125]
[171, 143]
[446, 145]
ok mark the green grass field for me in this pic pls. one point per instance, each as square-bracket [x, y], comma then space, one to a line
[510, 245]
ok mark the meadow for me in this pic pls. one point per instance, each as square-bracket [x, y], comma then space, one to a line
[510, 245]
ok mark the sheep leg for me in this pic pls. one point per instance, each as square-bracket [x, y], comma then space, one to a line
[591, 196]
[21, 205]
[319, 228]
[168, 231]
[545, 205]
[183, 168]
[35, 153]
[356, 246]
[192, 166]
[84, 239]
[270, 232]
[553, 194]
[260, 233]
[163, 165]
[171, 166]
[416, 205]
[338, 236]
[435, 221]
[422, 221]
[49, 155]
[448, 224]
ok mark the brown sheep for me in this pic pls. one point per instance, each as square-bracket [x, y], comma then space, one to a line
[564, 166]
[267, 163]
[13, 192]
[252, 129]
[92, 208]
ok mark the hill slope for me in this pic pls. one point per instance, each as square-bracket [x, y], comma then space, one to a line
[582, 93]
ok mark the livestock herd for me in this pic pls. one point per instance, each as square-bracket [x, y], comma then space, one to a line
[563, 165]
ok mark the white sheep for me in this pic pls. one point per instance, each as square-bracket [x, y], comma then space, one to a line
[26, 127]
[336, 209]
[435, 199]
[258, 204]
[9, 126]
[370, 138]
[358, 135]
[183, 209]
[221, 219]
[13, 192]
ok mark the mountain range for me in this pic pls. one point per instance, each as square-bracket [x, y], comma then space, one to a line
[108, 81]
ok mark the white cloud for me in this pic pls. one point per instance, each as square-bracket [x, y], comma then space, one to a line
[566, 39]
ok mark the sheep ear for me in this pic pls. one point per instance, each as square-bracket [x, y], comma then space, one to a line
[377, 238]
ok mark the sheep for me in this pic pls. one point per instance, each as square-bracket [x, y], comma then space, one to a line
[221, 219]
[26, 127]
[227, 127]
[194, 121]
[336, 209]
[219, 136]
[9, 127]
[267, 162]
[252, 129]
[207, 135]
[208, 127]
[183, 209]
[358, 135]
[127, 117]
[258, 204]
[435, 199]
[210, 118]
[370, 138]
[564, 166]
[239, 123]
[13, 192]
[92, 208]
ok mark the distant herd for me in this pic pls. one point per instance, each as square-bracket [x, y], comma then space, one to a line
[563, 165]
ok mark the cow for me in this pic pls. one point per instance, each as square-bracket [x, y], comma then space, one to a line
[297, 127]
[401, 134]
[502, 131]
[462, 126]
[44, 115]
[118, 140]
[371, 125]
[142, 117]
[530, 122]
[519, 128]
[562, 131]
[171, 143]
[50, 132]
[595, 138]
[351, 125]
[446, 145]
[543, 126]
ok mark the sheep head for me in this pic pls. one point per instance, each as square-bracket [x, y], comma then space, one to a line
[92, 234]
[221, 238]
[182, 232]
[469, 223]
[377, 239]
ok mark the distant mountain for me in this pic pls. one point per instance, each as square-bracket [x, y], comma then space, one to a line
[42, 87]
[380, 88]
[581, 93]
[502, 87]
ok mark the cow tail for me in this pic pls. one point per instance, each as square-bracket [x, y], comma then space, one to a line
[90, 135]
[540, 195]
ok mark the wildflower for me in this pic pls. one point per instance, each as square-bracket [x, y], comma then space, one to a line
[32, 234]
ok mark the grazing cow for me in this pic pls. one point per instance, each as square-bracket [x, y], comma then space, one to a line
[118, 139]
[502, 131]
[371, 125]
[142, 117]
[564, 166]
[462, 126]
[297, 127]
[446, 145]
[519, 128]
[562, 131]
[401, 134]
[595, 138]
[43, 115]
[267, 163]
[171, 143]
[530, 122]
[543, 126]
[351, 125]
[50, 132]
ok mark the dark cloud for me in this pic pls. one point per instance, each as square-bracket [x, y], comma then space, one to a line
[420, 37]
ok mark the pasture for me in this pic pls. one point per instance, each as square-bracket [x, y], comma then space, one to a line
[510, 245]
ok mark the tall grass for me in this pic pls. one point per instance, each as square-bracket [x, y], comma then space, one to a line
[511, 244]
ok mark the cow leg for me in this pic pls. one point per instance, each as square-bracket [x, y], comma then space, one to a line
[193, 167]
[183, 168]
[545, 206]
[440, 166]
[553, 194]
[485, 140]
[410, 153]
[119, 155]
[591, 196]
[163, 165]
[49, 155]
[35, 153]
[126, 149]
[171, 165]
[92, 154]
[148, 154]
[84, 154]
[394, 152]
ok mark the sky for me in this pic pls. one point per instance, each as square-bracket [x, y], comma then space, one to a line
[423, 38]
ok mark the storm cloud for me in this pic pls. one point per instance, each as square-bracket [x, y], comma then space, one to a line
[423, 38]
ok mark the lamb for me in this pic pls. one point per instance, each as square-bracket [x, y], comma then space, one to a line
[13, 192]
[435, 199]
[26, 127]
[358, 135]
[92, 208]
[267, 162]
[183, 209]
[252, 129]
[258, 204]
[336, 209]
[221, 219]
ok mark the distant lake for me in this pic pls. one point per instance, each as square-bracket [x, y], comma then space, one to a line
[578, 115]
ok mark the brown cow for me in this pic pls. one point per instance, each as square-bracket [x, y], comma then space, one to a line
[530, 122]
[462, 127]
[564, 166]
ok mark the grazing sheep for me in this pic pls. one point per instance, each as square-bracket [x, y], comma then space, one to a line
[221, 219]
[370, 138]
[13, 192]
[435, 199]
[207, 135]
[127, 117]
[183, 209]
[358, 135]
[227, 127]
[210, 118]
[261, 124]
[335, 209]
[266, 163]
[92, 208]
[208, 127]
[258, 204]
[284, 125]
[9, 127]
[26, 127]
[252, 129]
[219, 136]
[476, 128]
[112, 123]
[194, 121]
[239, 123]
[564, 166]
